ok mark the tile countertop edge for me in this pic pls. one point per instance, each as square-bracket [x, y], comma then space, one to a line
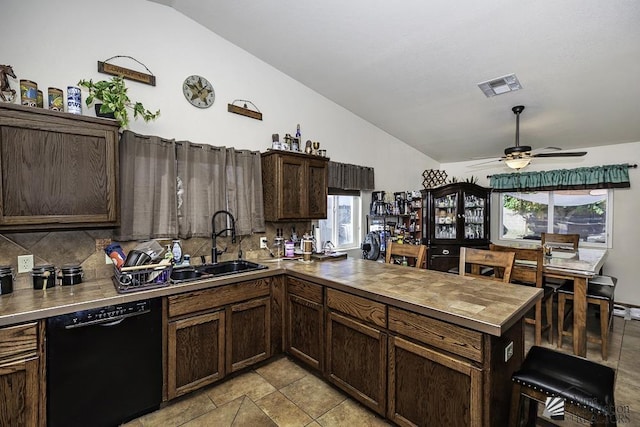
[100, 293]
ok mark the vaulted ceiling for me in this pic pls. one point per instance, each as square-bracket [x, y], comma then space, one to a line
[412, 67]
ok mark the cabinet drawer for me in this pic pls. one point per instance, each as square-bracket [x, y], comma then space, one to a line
[18, 340]
[358, 307]
[192, 302]
[448, 337]
[307, 290]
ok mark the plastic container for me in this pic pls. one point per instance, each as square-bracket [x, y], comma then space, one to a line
[176, 249]
[44, 276]
[6, 279]
[289, 249]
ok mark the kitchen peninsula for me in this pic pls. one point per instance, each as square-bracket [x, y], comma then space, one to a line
[416, 346]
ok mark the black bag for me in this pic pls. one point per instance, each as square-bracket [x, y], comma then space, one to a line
[371, 246]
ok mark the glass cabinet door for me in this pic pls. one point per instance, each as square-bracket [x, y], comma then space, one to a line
[474, 217]
[446, 214]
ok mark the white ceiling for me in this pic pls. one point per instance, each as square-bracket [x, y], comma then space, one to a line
[412, 67]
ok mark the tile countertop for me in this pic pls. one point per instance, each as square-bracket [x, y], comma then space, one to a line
[483, 305]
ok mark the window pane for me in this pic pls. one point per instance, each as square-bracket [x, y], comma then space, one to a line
[524, 215]
[581, 211]
[345, 221]
[342, 226]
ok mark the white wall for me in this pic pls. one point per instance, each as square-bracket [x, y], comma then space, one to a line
[58, 43]
[623, 257]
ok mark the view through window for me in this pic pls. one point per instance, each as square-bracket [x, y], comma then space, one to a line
[342, 226]
[585, 212]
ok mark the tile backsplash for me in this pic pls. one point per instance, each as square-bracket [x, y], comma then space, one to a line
[85, 248]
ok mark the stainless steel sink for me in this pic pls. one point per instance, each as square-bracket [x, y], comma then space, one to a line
[187, 274]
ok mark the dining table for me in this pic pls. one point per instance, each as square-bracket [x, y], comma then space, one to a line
[576, 266]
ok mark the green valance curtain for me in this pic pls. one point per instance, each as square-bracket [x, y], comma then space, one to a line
[608, 176]
[350, 177]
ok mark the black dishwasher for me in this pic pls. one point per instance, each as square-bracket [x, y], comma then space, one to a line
[104, 365]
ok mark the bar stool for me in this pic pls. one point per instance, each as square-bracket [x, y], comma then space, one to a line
[585, 387]
[598, 294]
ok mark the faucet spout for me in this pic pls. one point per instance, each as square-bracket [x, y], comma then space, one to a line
[214, 234]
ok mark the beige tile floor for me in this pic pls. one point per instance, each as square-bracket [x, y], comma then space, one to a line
[282, 393]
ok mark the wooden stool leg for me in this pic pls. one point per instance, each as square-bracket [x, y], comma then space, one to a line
[549, 307]
[561, 301]
[604, 327]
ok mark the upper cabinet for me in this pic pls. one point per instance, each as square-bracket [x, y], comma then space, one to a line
[59, 170]
[294, 185]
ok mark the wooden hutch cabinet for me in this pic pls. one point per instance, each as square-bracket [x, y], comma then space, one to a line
[455, 215]
[59, 170]
[295, 186]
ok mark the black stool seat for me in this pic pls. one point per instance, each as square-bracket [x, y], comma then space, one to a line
[594, 290]
[579, 381]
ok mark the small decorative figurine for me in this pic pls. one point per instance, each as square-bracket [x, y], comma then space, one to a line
[6, 93]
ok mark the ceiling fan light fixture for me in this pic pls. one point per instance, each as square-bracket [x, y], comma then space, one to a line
[518, 162]
[500, 85]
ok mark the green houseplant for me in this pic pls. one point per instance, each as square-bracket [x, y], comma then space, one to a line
[113, 95]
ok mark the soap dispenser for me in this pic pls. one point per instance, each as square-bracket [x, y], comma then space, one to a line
[176, 249]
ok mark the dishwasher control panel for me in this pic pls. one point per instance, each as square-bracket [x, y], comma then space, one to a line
[103, 314]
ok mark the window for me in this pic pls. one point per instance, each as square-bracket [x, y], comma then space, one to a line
[342, 226]
[585, 212]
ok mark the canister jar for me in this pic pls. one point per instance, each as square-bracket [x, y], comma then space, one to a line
[44, 276]
[6, 279]
[71, 275]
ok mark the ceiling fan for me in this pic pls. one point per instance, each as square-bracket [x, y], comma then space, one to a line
[519, 156]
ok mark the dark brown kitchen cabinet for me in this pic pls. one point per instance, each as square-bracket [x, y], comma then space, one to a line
[295, 186]
[455, 215]
[248, 333]
[357, 347]
[213, 332]
[304, 322]
[22, 376]
[427, 386]
[59, 170]
[195, 352]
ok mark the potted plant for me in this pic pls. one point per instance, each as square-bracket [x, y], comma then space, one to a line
[113, 95]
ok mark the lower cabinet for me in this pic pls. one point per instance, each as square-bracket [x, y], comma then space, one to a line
[195, 352]
[248, 333]
[304, 322]
[21, 379]
[357, 360]
[427, 387]
[216, 331]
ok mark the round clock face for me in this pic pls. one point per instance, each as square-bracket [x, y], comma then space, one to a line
[198, 91]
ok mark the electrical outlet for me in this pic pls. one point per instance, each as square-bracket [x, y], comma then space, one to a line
[263, 243]
[508, 351]
[25, 263]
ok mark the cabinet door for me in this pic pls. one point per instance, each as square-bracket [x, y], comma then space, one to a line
[195, 352]
[248, 333]
[317, 177]
[356, 360]
[304, 331]
[445, 214]
[57, 171]
[426, 387]
[474, 215]
[293, 189]
[19, 393]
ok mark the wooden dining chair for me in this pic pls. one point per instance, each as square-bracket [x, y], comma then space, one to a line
[417, 254]
[501, 262]
[528, 270]
[568, 242]
[560, 241]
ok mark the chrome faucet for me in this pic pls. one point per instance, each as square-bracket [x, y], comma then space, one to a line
[214, 234]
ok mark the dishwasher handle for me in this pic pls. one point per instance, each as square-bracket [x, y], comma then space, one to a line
[111, 321]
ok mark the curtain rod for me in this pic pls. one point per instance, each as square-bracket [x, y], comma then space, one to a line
[630, 166]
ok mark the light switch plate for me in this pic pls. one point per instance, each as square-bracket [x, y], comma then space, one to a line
[263, 243]
[508, 351]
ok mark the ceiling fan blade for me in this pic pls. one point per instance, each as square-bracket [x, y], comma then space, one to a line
[487, 162]
[562, 154]
[545, 149]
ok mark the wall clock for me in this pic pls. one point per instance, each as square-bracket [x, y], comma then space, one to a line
[198, 91]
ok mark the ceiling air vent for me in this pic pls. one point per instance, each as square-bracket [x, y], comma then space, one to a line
[504, 84]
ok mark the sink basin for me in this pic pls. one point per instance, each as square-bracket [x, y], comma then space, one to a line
[186, 274]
